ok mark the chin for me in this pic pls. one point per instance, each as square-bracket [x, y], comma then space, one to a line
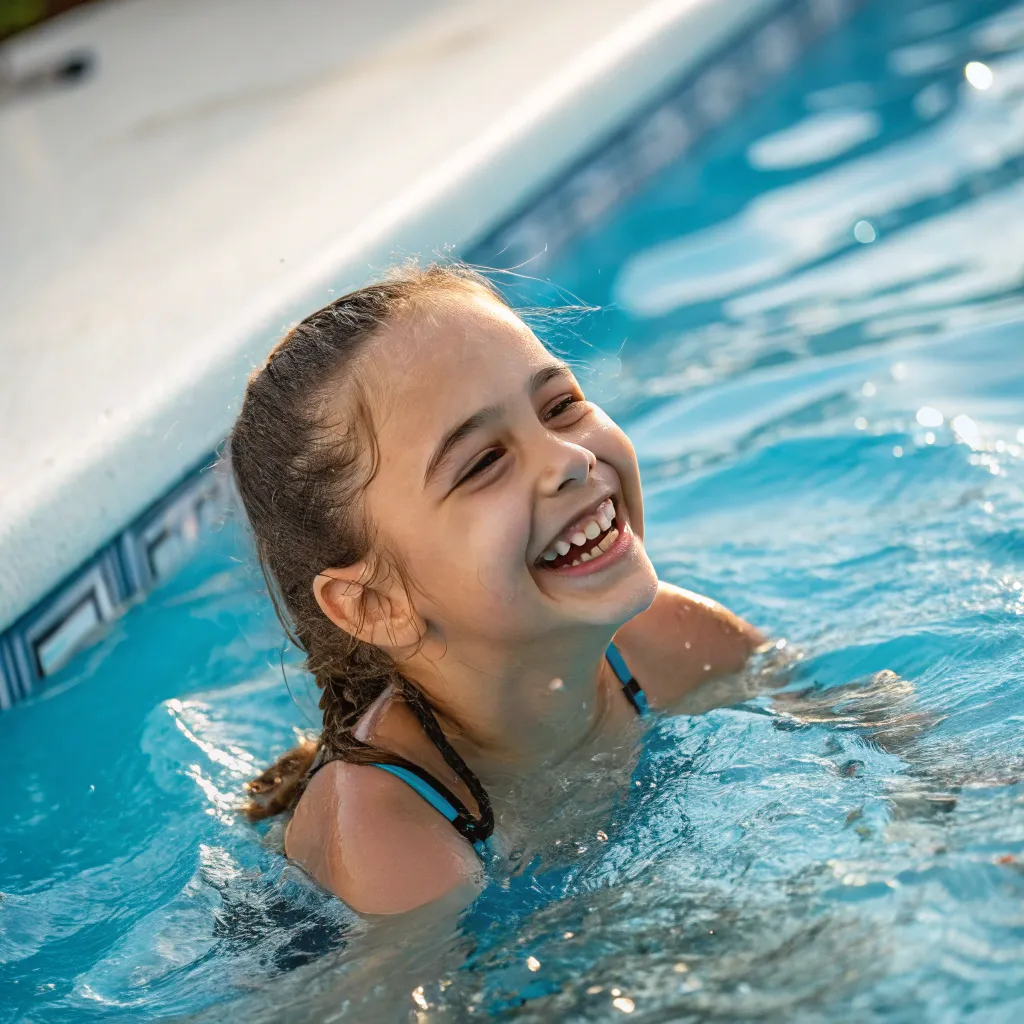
[632, 594]
[641, 587]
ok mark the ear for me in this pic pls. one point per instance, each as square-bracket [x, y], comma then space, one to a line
[376, 613]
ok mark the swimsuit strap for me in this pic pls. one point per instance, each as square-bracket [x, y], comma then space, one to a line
[634, 694]
[442, 799]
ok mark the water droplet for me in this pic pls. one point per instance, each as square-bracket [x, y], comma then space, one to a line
[979, 75]
[864, 232]
[898, 452]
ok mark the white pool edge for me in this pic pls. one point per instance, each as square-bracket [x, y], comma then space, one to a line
[478, 187]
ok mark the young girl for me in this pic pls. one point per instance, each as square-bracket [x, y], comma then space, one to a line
[454, 536]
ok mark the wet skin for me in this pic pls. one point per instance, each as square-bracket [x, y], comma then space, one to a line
[489, 455]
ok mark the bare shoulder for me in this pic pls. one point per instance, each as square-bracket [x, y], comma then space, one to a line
[682, 641]
[690, 613]
[372, 841]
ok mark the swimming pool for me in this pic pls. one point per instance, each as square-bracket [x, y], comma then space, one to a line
[812, 333]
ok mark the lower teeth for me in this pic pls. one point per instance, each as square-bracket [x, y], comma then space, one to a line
[607, 540]
[611, 535]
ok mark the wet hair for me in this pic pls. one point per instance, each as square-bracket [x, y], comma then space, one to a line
[300, 467]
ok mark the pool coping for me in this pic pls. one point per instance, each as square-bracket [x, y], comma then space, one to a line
[543, 173]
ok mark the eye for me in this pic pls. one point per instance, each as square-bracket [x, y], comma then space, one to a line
[488, 459]
[562, 406]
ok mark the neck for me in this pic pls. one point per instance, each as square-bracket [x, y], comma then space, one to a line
[517, 710]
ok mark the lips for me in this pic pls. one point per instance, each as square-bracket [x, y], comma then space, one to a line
[584, 540]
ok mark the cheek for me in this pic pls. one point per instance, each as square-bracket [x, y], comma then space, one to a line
[609, 443]
[496, 535]
[472, 563]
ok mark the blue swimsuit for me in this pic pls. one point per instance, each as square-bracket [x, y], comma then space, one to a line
[442, 799]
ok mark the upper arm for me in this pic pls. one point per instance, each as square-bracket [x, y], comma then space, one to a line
[682, 641]
[372, 841]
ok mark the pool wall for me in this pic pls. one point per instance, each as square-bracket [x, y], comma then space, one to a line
[614, 115]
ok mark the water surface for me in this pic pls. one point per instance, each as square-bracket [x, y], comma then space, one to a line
[812, 331]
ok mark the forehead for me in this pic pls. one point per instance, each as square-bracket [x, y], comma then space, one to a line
[442, 363]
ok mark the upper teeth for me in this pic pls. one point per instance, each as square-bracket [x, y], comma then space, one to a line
[583, 533]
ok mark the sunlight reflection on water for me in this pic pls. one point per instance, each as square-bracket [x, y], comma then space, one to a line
[831, 432]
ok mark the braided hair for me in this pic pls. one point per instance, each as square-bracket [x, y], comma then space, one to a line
[300, 474]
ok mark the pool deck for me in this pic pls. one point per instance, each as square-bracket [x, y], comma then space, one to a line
[216, 178]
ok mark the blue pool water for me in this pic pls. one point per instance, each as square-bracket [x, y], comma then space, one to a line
[812, 330]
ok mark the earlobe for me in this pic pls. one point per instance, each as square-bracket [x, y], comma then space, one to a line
[376, 613]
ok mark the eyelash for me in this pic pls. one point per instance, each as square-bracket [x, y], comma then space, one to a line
[490, 457]
[484, 462]
[561, 406]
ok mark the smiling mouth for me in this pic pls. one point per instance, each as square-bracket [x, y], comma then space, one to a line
[584, 541]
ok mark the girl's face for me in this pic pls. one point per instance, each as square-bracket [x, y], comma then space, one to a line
[513, 502]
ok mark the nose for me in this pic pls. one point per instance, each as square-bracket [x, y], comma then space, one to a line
[565, 465]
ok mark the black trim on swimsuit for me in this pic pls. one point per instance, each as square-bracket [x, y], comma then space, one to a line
[443, 800]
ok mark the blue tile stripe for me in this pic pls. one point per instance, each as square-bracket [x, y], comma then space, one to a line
[150, 549]
[76, 613]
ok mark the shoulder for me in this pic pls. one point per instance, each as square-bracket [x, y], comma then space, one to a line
[370, 839]
[676, 608]
[683, 640]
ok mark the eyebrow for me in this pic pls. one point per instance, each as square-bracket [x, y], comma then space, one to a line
[484, 416]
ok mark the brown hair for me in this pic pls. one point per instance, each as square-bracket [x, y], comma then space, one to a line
[300, 474]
